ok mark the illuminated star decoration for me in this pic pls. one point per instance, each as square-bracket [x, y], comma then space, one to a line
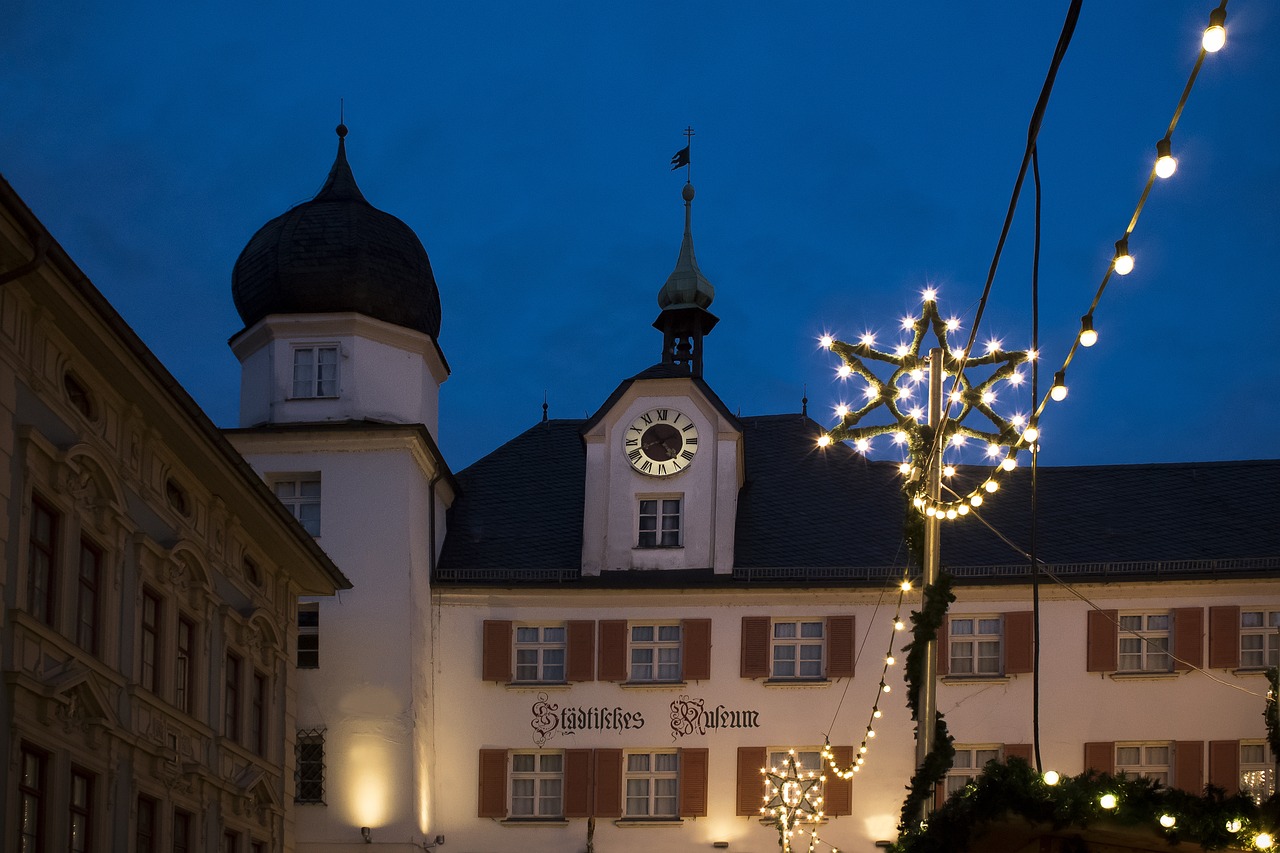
[905, 396]
[792, 796]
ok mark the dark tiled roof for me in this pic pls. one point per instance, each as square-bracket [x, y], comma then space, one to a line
[811, 516]
[337, 253]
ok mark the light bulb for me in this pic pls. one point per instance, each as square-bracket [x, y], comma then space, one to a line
[1107, 801]
[908, 323]
[1123, 262]
[889, 661]
[1059, 389]
[886, 688]
[1234, 825]
[824, 440]
[1215, 35]
[1051, 777]
[963, 509]
[905, 469]
[1030, 434]
[900, 350]
[842, 411]
[1168, 821]
[1263, 841]
[898, 624]
[993, 450]
[844, 371]
[976, 500]
[906, 586]
[991, 485]
[930, 293]
[1088, 337]
[1009, 463]
[862, 445]
[871, 732]
[1165, 164]
[899, 437]
[948, 470]
[951, 514]
[826, 341]
[952, 324]
[877, 713]
[988, 397]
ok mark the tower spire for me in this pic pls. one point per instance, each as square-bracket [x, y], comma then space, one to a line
[684, 301]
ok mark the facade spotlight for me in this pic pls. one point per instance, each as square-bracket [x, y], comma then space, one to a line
[1215, 35]
[367, 834]
[1165, 164]
[1123, 263]
[1088, 337]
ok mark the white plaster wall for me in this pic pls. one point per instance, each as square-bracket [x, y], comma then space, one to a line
[1076, 706]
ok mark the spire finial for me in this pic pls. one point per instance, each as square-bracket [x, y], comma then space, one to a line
[681, 157]
[342, 119]
[804, 400]
[544, 406]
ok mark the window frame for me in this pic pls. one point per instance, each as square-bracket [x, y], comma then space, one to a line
[185, 819]
[308, 650]
[80, 813]
[313, 384]
[1257, 778]
[651, 775]
[33, 797]
[150, 640]
[309, 767]
[259, 712]
[797, 643]
[776, 759]
[297, 502]
[540, 647]
[42, 562]
[1144, 768]
[186, 637]
[232, 693]
[660, 535]
[88, 631]
[539, 777]
[145, 837]
[1145, 637]
[1269, 634]
[655, 646]
[974, 640]
[958, 776]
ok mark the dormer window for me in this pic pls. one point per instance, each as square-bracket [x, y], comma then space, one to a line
[660, 525]
[315, 371]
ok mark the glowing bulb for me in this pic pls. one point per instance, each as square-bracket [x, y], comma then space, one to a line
[1165, 164]
[842, 411]
[1008, 463]
[1016, 378]
[991, 485]
[963, 509]
[1215, 35]
[886, 688]
[862, 445]
[1263, 841]
[1059, 389]
[948, 470]
[958, 440]
[869, 392]
[905, 587]
[844, 371]
[988, 397]
[908, 323]
[867, 339]
[824, 440]
[1107, 801]
[1051, 777]
[953, 323]
[931, 510]
[1030, 434]
[898, 625]
[955, 396]
[1234, 825]
[930, 294]
[916, 413]
[1018, 420]
[917, 375]
[951, 514]
[905, 469]
[1123, 261]
[993, 450]
[917, 501]
[877, 713]
[826, 341]
[1088, 337]
[900, 350]
[899, 437]
[957, 353]
[976, 500]
[871, 732]
[889, 661]
[1032, 355]
[1168, 821]
[994, 345]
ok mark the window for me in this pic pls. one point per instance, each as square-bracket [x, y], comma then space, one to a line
[1144, 642]
[42, 563]
[251, 572]
[230, 841]
[149, 673]
[87, 597]
[315, 371]
[537, 784]
[177, 497]
[31, 801]
[181, 831]
[975, 645]
[1259, 638]
[659, 523]
[655, 652]
[1150, 761]
[231, 697]
[540, 653]
[80, 812]
[258, 717]
[184, 664]
[651, 780]
[301, 496]
[78, 395]
[309, 636]
[1257, 770]
[797, 649]
[309, 752]
[968, 763]
[145, 832]
[806, 761]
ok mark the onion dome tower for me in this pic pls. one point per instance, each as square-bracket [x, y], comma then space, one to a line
[684, 300]
[337, 253]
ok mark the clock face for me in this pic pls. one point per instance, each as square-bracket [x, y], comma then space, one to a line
[661, 442]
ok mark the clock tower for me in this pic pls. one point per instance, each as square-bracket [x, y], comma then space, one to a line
[664, 454]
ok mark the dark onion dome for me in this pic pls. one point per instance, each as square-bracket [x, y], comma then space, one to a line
[337, 253]
[686, 287]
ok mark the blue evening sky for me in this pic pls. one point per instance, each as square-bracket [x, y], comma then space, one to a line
[845, 156]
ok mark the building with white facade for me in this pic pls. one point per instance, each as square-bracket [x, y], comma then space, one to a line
[593, 638]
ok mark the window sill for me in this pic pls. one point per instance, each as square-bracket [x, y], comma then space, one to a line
[657, 547]
[538, 685]
[314, 397]
[1143, 676]
[534, 821]
[1249, 670]
[654, 685]
[976, 679]
[633, 822]
[797, 682]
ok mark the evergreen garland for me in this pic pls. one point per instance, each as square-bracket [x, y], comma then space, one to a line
[1269, 713]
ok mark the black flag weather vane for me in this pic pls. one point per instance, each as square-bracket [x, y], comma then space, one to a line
[681, 157]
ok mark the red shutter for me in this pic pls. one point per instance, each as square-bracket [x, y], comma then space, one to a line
[1224, 762]
[755, 648]
[1188, 766]
[1018, 645]
[613, 650]
[1100, 756]
[1102, 640]
[841, 646]
[944, 648]
[496, 656]
[580, 650]
[1188, 639]
[577, 783]
[692, 783]
[695, 654]
[608, 779]
[492, 798]
[1224, 641]
[750, 782]
[1019, 750]
[838, 796]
